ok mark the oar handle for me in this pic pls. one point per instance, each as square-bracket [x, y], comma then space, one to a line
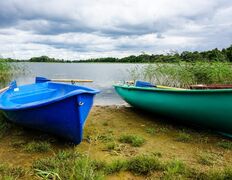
[4, 89]
[71, 80]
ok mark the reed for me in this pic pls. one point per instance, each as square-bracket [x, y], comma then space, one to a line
[184, 74]
[8, 70]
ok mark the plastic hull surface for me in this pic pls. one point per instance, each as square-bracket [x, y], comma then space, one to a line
[56, 108]
[207, 108]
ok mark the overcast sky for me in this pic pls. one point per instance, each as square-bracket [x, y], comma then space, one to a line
[80, 29]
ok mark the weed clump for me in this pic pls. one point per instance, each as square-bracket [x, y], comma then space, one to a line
[143, 164]
[150, 130]
[225, 144]
[134, 140]
[116, 166]
[206, 159]
[4, 125]
[68, 165]
[7, 172]
[174, 169]
[183, 137]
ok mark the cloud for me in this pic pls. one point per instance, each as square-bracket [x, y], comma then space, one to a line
[72, 29]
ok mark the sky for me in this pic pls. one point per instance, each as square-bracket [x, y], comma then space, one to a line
[83, 29]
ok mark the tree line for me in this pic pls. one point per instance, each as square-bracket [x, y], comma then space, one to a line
[224, 55]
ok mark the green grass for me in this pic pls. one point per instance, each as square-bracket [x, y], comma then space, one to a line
[68, 165]
[183, 137]
[115, 166]
[111, 145]
[4, 125]
[133, 140]
[225, 144]
[175, 169]
[84, 169]
[18, 143]
[206, 159]
[163, 130]
[150, 130]
[225, 174]
[8, 71]
[5, 73]
[105, 138]
[73, 165]
[7, 172]
[38, 147]
[144, 164]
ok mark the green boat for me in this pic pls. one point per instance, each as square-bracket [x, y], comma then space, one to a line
[210, 108]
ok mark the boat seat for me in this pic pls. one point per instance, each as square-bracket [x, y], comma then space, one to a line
[32, 96]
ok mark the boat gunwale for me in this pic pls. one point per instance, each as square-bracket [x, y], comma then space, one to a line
[154, 89]
[36, 104]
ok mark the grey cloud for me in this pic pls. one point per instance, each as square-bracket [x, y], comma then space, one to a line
[115, 26]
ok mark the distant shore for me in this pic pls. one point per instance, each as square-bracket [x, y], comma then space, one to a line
[223, 55]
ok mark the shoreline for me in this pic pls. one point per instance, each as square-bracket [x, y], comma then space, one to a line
[104, 141]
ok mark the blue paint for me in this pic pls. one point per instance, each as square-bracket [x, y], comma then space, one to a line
[56, 108]
[143, 84]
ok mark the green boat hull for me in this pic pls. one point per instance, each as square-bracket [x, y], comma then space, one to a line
[207, 108]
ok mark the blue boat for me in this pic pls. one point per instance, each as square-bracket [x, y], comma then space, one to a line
[57, 108]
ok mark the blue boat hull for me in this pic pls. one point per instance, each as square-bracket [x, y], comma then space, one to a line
[64, 117]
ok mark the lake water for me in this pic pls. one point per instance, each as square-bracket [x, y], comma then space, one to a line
[104, 76]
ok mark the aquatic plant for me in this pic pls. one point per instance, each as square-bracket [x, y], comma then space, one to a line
[8, 70]
[184, 74]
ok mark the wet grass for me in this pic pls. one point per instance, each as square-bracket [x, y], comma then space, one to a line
[107, 151]
[133, 140]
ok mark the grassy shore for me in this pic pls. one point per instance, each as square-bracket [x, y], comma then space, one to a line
[119, 143]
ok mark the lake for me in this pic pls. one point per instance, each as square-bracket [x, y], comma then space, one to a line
[104, 76]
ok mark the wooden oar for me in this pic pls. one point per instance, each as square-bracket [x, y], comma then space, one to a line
[167, 87]
[43, 79]
[4, 89]
[71, 80]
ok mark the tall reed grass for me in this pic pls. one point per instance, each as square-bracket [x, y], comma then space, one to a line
[184, 74]
[8, 70]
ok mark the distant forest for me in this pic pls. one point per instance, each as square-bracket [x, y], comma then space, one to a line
[212, 55]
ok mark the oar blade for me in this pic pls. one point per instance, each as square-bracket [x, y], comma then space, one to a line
[41, 79]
